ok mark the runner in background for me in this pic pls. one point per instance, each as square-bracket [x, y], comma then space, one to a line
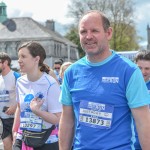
[142, 59]
[56, 68]
[8, 102]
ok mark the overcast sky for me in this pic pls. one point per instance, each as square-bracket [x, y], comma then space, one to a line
[142, 18]
[41, 10]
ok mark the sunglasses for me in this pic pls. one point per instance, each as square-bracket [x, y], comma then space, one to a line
[57, 68]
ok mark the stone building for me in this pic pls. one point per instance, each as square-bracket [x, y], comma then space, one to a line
[14, 31]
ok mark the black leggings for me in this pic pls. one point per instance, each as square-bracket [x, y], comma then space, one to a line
[52, 146]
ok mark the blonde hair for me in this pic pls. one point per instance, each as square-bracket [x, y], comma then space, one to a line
[65, 64]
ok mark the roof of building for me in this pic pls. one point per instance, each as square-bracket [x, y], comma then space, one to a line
[27, 28]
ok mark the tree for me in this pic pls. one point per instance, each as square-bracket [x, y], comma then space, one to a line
[73, 36]
[124, 33]
[124, 38]
[120, 14]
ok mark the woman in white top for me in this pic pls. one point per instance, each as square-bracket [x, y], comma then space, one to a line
[37, 95]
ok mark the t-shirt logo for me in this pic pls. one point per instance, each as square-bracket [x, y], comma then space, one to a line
[110, 79]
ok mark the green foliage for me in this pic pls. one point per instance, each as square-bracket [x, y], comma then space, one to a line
[73, 36]
[124, 38]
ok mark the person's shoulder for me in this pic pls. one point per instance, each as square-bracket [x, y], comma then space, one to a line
[22, 79]
[49, 78]
[52, 74]
[11, 74]
[125, 61]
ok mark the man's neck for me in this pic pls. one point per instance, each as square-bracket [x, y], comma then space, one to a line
[100, 57]
[5, 71]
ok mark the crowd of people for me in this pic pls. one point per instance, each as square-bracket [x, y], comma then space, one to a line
[100, 102]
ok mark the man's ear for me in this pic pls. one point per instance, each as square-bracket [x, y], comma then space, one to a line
[109, 33]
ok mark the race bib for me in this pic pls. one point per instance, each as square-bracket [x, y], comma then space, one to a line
[4, 96]
[96, 115]
[31, 122]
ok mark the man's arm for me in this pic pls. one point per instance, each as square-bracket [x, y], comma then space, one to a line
[66, 128]
[142, 121]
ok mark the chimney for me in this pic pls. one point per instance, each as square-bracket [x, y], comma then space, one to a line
[50, 24]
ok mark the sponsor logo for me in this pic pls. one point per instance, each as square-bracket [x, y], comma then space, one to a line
[110, 79]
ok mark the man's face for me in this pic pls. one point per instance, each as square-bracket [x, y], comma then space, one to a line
[57, 67]
[93, 38]
[144, 65]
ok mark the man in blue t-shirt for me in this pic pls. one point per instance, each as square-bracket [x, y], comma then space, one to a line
[142, 59]
[100, 94]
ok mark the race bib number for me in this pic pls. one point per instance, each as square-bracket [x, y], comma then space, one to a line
[96, 115]
[31, 126]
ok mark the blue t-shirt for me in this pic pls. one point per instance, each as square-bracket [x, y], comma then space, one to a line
[137, 143]
[148, 85]
[102, 95]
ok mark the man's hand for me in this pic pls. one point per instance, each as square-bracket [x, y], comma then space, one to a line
[11, 110]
